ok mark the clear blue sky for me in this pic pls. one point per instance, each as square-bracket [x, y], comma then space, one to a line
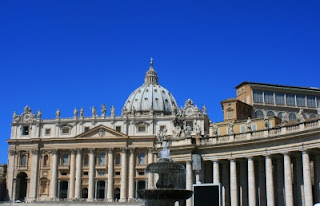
[66, 54]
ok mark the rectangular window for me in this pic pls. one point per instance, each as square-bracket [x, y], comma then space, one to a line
[229, 114]
[86, 129]
[118, 128]
[280, 98]
[85, 173]
[242, 129]
[301, 100]
[65, 130]
[254, 127]
[311, 100]
[25, 130]
[117, 173]
[268, 97]
[141, 173]
[291, 100]
[162, 128]
[141, 128]
[257, 96]
[47, 131]
[101, 173]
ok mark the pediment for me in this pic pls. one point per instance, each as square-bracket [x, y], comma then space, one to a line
[102, 131]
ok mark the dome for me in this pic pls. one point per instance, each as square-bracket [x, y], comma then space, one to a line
[151, 96]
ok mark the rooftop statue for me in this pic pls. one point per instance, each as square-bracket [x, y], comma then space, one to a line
[39, 114]
[81, 112]
[93, 111]
[103, 110]
[113, 112]
[248, 124]
[58, 114]
[75, 112]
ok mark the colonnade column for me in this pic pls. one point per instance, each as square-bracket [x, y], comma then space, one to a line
[287, 180]
[34, 174]
[78, 174]
[317, 177]
[72, 170]
[53, 183]
[110, 176]
[216, 172]
[251, 182]
[189, 181]
[123, 190]
[131, 175]
[150, 175]
[91, 174]
[308, 199]
[269, 182]
[233, 183]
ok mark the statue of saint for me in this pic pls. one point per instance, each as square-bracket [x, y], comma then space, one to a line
[81, 112]
[103, 110]
[248, 124]
[27, 109]
[124, 111]
[300, 115]
[266, 122]
[204, 109]
[230, 127]
[113, 112]
[14, 115]
[284, 118]
[75, 112]
[94, 111]
[215, 129]
[39, 114]
[58, 114]
[198, 131]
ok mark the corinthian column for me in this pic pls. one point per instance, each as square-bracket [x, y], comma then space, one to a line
[53, 183]
[233, 183]
[78, 174]
[251, 182]
[308, 199]
[91, 174]
[269, 182]
[287, 180]
[34, 174]
[72, 170]
[123, 190]
[189, 181]
[131, 175]
[11, 163]
[110, 176]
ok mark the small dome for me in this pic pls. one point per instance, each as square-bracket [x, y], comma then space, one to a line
[151, 96]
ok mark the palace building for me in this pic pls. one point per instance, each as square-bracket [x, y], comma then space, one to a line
[265, 152]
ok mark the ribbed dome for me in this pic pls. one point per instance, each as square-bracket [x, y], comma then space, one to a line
[150, 96]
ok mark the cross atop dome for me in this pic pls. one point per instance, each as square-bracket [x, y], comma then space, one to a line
[151, 75]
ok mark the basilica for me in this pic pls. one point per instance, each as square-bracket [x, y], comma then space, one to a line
[265, 152]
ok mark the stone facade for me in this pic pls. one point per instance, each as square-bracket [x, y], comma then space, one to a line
[102, 157]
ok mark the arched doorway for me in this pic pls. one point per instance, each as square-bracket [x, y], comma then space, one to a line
[116, 194]
[84, 193]
[21, 186]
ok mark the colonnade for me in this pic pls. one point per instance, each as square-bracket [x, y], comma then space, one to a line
[282, 179]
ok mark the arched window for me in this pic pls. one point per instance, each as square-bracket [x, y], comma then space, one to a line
[142, 158]
[102, 159]
[118, 159]
[259, 114]
[312, 116]
[292, 116]
[65, 159]
[23, 160]
[270, 114]
[45, 160]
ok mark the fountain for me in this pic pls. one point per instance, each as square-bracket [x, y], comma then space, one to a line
[170, 186]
